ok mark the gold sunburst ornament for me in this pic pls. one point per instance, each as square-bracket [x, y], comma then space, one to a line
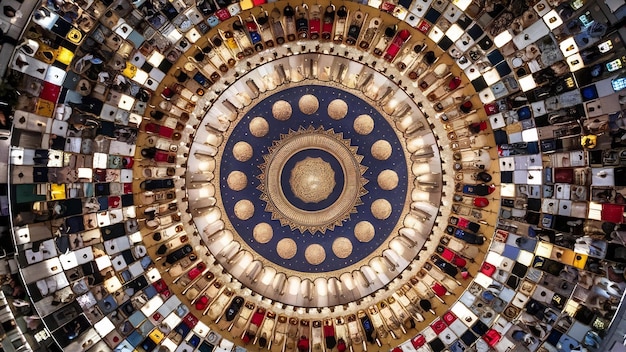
[350, 192]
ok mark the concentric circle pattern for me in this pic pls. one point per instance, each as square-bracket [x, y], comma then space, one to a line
[312, 180]
[284, 194]
[237, 176]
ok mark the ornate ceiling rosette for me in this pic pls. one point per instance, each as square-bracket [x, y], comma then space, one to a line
[306, 194]
[319, 193]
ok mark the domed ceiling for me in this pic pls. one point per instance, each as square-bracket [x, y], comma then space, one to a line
[425, 175]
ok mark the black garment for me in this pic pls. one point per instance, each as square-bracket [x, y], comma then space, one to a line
[148, 152]
[620, 176]
[331, 342]
[472, 226]
[89, 104]
[9, 11]
[40, 174]
[58, 143]
[478, 190]
[5, 39]
[474, 128]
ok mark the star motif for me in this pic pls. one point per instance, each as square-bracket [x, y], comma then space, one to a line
[337, 214]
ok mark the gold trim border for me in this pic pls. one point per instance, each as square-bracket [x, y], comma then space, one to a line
[313, 221]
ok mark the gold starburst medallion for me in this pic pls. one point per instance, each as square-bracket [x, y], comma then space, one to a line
[349, 193]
